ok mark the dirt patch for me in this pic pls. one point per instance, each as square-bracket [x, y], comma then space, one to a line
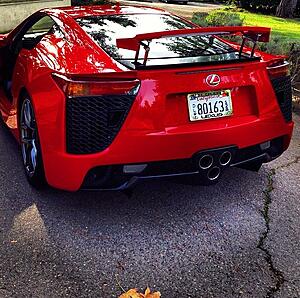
[296, 104]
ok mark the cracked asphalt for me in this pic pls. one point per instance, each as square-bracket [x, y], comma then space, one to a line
[239, 238]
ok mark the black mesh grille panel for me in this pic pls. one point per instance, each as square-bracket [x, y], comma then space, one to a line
[283, 89]
[93, 122]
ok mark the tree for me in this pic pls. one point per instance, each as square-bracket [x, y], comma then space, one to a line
[286, 8]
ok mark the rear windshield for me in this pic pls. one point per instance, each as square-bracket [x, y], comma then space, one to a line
[104, 30]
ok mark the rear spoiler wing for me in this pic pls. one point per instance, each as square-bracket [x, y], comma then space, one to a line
[254, 34]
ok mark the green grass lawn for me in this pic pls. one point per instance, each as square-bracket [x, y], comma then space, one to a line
[288, 29]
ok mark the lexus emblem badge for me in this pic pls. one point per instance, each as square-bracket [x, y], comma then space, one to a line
[213, 80]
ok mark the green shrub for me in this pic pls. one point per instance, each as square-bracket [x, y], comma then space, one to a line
[294, 59]
[263, 6]
[217, 18]
[199, 18]
[224, 18]
[276, 46]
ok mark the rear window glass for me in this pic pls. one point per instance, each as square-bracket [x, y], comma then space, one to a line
[104, 30]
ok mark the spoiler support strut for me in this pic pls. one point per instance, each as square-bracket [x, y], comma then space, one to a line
[147, 50]
[254, 41]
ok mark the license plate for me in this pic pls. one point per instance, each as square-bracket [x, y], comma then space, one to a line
[209, 105]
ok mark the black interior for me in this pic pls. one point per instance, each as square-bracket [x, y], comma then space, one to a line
[9, 58]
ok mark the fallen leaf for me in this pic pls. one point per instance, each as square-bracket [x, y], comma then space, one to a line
[148, 294]
[133, 293]
[147, 291]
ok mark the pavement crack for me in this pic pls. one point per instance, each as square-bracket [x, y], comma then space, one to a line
[296, 160]
[278, 275]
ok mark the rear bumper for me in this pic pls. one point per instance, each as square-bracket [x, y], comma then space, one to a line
[115, 178]
[68, 172]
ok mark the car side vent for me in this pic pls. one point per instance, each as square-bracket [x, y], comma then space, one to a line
[93, 122]
[283, 90]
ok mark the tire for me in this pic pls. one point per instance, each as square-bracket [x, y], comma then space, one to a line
[253, 166]
[30, 145]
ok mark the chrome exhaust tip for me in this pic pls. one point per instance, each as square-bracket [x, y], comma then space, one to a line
[225, 158]
[214, 173]
[206, 161]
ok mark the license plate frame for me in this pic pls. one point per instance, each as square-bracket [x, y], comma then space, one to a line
[209, 105]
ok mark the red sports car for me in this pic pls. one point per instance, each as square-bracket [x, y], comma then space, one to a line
[102, 96]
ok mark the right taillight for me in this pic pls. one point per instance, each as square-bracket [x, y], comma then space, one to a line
[278, 68]
[281, 82]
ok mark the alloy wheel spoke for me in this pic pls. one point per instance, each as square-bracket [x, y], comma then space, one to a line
[33, 154]
[28, 116]
[24, 127]
[28, 138]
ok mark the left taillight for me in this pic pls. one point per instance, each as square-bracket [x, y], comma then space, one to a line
[77, 87]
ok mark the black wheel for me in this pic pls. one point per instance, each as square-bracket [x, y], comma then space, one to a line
[253, 166]
[30, 146]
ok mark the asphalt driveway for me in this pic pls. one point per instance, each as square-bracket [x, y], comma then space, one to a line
[239, 238]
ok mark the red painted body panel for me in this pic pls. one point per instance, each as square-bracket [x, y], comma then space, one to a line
[157, 127]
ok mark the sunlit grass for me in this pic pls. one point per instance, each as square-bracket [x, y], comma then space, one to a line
[288, 29]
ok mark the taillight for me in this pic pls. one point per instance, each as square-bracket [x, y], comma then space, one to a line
[77, 88]
[281, 82]
[278, 68]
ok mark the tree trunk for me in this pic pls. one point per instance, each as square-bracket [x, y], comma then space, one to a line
[286, 8]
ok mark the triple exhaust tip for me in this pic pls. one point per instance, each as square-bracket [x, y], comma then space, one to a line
[206, 162]
[214, 173]
[225, 158]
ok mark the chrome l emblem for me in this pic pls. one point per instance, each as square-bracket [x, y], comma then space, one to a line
[213, 80]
